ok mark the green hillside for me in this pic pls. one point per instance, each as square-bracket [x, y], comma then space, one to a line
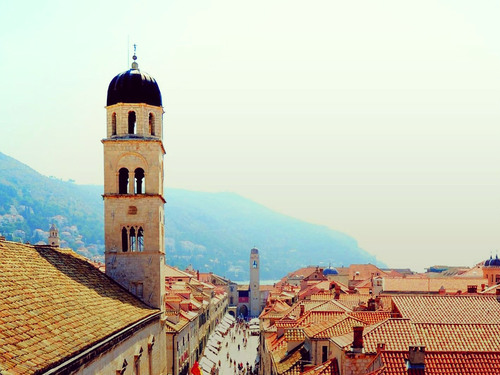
[210, 231]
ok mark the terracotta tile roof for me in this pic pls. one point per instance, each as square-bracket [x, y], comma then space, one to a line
[318, 316]
[478, 309]
[294, 311]
[354, 300]
[439, 363]
[277, 310]
[459, 337]
[396, 334]
[287, 363]
[330, 367]
[285, 322]
[428, 285]
[371, 317]
[332, 305]
[54, 304]
[177, 327]
[363, 271]
[301, 272]
[321, 296]
[294, 334]
[364, 284]
[174, 272]
[274, 343]
[315, 287]
[173, 298]
[326, 330]
[399, 334]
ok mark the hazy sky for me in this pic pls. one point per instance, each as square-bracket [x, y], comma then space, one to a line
[380, 119]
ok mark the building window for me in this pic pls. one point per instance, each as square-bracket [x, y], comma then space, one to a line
[471, 288]
[151, 124]
[124, 240]
[140, 240]
[113, 124]
[324, 354]
[123, 181]
[131, 122]
[133, 240]
[140, 187]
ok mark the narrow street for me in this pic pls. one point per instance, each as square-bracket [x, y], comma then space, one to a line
[246, 354]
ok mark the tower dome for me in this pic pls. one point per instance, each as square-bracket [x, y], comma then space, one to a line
[134, 86]
[330, 271]
[495, 262]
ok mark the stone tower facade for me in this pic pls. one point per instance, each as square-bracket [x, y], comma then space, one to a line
[53, 236]
[133, 186]
[255, 307]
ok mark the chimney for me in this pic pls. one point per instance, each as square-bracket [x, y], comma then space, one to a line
[337, 291]
[442, 290]
[357, 343]
[380, 347]
[416, 357]
[198, 275]
[302, 309]
[371, 304]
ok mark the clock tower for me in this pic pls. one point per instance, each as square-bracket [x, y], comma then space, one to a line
[255, 307]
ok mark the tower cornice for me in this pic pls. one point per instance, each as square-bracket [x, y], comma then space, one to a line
[134, 139]
[133, 196]
[121, 104]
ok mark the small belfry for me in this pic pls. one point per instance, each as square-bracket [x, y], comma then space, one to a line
[53, 239]
[133, 185]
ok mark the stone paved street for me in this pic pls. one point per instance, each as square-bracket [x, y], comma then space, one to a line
[244, 355]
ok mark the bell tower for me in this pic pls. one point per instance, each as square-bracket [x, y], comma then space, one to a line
[133, 185]
[254, 283]
[53, 239]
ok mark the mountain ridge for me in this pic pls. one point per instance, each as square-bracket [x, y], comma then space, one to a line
[213, 232]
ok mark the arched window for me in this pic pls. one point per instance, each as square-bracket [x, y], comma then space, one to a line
[124, 240]
[133, 240]
[123, 181]
[131, 122]
[113, 124]
[151, 124]
[140, 187]
[140, 240]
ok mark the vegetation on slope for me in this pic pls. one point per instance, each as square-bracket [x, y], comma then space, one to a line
[211, 231]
